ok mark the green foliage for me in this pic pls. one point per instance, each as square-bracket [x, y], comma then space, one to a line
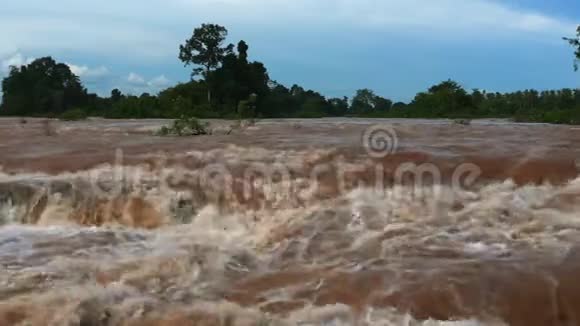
[282, 102]
[116, 95]
[239, 80]
[366, 103]
[185, 126]
[205, 48]
[246, 109]
[575, 42]
[442, 100]
[462, 122]
[338, 107]
[73, 115]
[312, 107]
[242, 89]
[142, 107]
[43, 87]
[382, 104]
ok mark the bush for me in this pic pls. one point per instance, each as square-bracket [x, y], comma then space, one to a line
[462, 122]
[73, 115]
[246, 110]
[185, 126]
[304, 114]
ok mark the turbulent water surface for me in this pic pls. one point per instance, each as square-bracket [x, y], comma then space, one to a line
[296, 222]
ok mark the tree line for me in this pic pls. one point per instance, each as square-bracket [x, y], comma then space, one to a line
[225, 83]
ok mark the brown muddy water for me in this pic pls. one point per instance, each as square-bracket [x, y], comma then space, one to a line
[289, 222]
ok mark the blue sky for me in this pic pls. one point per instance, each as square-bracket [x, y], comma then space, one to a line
[396, 47]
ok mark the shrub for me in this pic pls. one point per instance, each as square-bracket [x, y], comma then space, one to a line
[164, 131]
[205, 111]
[73, 115]
[246, 109]
[185, 126]
[462, 122]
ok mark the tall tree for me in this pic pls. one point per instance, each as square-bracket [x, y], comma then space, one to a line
[363, 101]
[243, 51]
[205, 48]
[42, 87]
[575, 42]
[116, 95]
[445, 98]
[238, 79]
[366, 101]
[338, 106]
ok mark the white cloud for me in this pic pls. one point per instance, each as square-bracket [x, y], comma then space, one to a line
[16, 59]
[123, 28]
[137, 84]
[159, 81]
[136, 79]
[87, 72]
[454, 17]
[48, 34]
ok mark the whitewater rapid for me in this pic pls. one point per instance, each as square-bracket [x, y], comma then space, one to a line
[282, 266]
[287, 234]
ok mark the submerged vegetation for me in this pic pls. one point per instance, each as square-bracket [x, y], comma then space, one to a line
[73, 115]
[185, 126]
[230, 85]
